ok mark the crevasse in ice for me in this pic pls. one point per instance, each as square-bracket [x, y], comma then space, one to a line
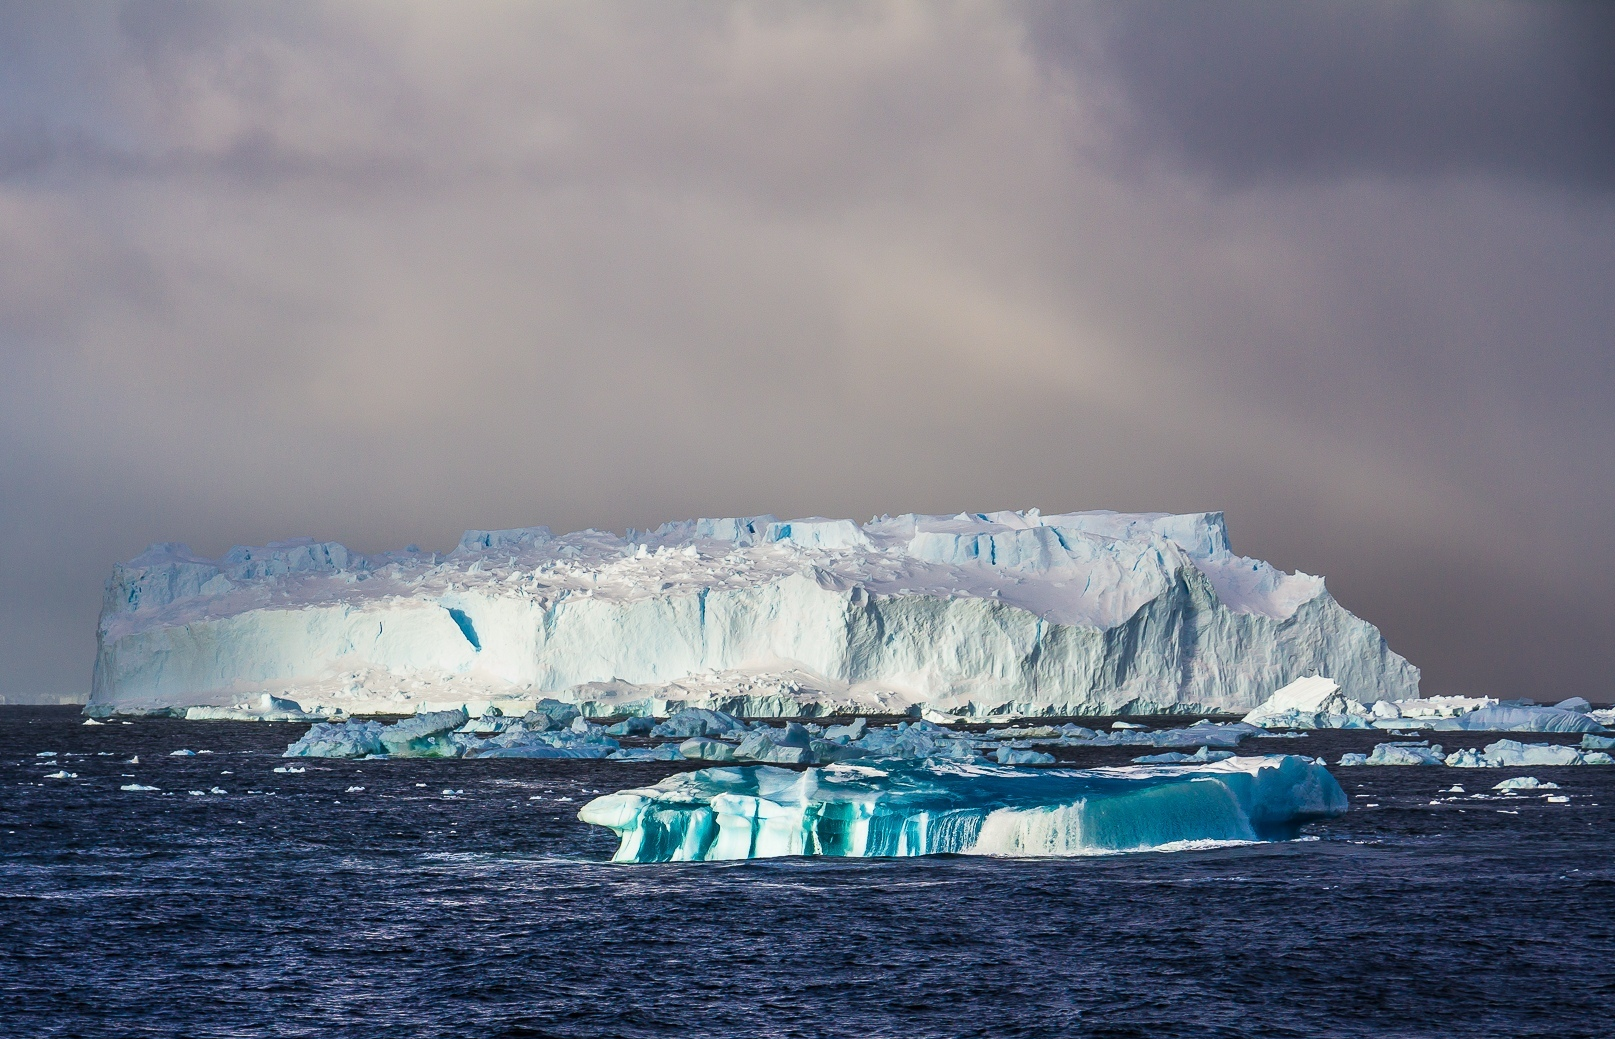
[929, 808]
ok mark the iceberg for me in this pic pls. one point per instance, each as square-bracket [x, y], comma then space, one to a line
[449, 734]
[1315, 702]
[1524, 783]
[1406, 754]
[1312, 702]
[970, 616]
[1173, 757]
[931, 808]
[1527, 719]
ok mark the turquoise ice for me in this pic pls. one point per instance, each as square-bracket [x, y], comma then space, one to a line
[932, 808]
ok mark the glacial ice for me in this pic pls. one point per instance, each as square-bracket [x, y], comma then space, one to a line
[1173, 757]
[1525, 783]
[929, 808]
[1406, 754]
[1315, 702]
[1502, 754]
[1011, 756]
[1006, 613]
[1310, 702]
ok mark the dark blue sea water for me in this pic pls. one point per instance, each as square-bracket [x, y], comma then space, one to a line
[292, 906]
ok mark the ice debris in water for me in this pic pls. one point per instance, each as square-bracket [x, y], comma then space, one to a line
[1525, 783]
[1316, 702]
[697, 722]
[926, 808]
[707, 735]
[267, 708]
[182, 753]
[1172, 757]
[1502, 754]
[63, 775]
[444, 734]
[1011, 756]
[136, 786]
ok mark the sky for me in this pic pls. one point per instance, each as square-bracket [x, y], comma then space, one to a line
[380, 272]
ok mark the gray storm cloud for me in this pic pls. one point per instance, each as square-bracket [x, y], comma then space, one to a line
[379, 272]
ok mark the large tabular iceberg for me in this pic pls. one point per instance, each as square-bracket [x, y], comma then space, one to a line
[934, 808]
[1007, 612]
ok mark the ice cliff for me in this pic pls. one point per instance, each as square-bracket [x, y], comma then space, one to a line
[1007, 612]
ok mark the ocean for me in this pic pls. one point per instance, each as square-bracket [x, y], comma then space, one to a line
[464, 898]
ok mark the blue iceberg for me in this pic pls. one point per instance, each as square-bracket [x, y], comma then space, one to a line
[937, 807]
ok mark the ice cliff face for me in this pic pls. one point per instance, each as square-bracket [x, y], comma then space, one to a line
[1081, 613]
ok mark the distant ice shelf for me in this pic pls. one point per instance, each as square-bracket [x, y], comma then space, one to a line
[979, 615]
[931, 808]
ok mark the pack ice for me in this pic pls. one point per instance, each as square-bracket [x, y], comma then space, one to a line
[975, 614]
[931, 807]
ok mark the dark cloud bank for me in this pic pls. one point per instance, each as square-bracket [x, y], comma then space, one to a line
[381, 272]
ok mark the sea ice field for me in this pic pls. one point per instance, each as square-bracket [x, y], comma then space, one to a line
[234, 891]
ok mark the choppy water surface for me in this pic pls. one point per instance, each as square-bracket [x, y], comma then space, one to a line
[292, 905]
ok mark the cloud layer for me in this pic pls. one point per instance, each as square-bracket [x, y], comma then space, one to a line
[379, 272]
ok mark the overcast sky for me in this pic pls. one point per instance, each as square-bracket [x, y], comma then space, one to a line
[380, 272]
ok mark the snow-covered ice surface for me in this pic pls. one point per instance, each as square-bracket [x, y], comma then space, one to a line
[931, 808]
[1009, 612]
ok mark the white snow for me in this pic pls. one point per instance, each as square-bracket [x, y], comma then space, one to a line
[1012, 613]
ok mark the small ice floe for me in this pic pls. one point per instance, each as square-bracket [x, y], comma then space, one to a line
[1012, 756]
[182, 753]
[1127, 725]
[420, 784]
[46, 754]
[136, 786]
[1525, 783]
[354, 790]
[1455, 789]
[452, 793]
[536, 797]
[218, 790]
[1558, 799]
[63, 775]
[198, 793]
[133, 761]
[1199, 757]
[283, 770]
[92, 721]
